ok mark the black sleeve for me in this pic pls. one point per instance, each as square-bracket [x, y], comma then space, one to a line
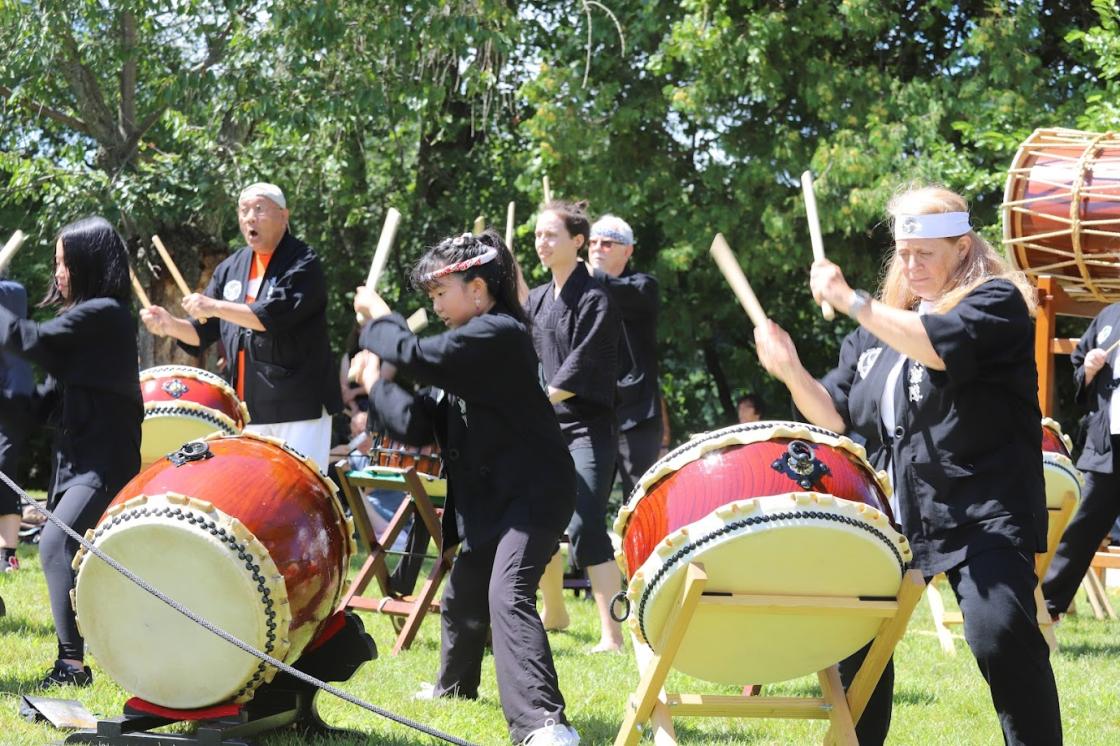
[462, 361]
[297, 294]
[979, 332]
[210, 332]
[590, 369]
[838, 381]
[51, 344]
[633, 295]
[406, 416]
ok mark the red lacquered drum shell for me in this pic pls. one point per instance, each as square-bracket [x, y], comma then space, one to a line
[391, 453]
[1053, 441]
[179, 383]
[736, 473]
[250, 536]
[1061, 212]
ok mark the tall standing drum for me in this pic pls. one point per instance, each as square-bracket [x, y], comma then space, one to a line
[241, 530]
[182, 403]
[771, 508]
[1061, 211]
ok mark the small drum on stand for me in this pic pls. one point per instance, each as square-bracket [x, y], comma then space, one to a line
[386, 452]
[776, 508]
[241, 530]
[1062, 477]
[181, 404]
[1061, 211]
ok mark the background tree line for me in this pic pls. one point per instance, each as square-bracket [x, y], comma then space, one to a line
[685, 118]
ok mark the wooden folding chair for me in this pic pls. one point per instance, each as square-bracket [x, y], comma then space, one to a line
[651, 704]
[424, 500]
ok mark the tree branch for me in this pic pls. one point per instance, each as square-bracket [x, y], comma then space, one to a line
[90, 102]
[53, 114]
[126, 110]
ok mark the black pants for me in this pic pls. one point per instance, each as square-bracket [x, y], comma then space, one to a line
[1095, 516]
[637, 450]
[496, 586]
[591, 545]
[13, 434]
[79, 508]
[995, 590]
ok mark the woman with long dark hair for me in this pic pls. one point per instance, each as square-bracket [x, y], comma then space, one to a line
[91, 400]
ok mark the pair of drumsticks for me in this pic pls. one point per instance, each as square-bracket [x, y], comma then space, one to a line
[176, 275]
[733, 273]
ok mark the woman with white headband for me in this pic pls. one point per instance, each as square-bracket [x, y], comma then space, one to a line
[510, 480]
[940, 380]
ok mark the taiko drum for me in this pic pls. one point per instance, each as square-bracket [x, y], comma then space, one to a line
[182, 403]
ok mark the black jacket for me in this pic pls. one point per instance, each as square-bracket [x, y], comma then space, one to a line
[966, 447]
[1097, 455]
[91, 398]
[506, 460]
[289, 372]
[635, 296]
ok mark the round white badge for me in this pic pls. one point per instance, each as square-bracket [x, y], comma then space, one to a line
[1102, 335]
[232, 290]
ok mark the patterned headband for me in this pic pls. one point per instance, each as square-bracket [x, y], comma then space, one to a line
[935, 225]
[475, 261]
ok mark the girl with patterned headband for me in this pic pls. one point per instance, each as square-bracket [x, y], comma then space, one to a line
[510, 480]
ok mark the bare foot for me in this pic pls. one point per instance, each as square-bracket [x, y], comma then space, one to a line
[606, 646]
[557, 622]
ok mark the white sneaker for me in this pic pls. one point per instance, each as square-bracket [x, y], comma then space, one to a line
[552, 734]
[425, 692]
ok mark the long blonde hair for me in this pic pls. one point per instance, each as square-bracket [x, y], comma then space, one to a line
[980, 264]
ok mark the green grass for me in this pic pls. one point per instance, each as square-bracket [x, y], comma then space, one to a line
[938, 699]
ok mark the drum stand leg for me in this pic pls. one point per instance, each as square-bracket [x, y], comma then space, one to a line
[650, 704]
[937, 611]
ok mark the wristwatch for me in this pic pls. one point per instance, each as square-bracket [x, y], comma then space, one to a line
[858, 301]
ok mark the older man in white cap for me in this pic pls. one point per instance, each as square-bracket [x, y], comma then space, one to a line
[639, 395]
[267, 304]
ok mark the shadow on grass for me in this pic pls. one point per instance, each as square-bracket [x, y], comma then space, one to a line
[19, 624]
[1088, 649]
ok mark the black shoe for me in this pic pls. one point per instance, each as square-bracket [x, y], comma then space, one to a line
[63, 674]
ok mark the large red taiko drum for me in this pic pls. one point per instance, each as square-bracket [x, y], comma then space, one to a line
[241, 530]
[1062, 477]
[1061, 211]
[778, 508]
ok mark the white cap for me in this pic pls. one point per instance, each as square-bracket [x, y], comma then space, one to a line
[264, 189]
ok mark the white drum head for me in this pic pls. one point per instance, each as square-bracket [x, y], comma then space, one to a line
[168, 425]
[783, 545]
[204, 560]
[1062, 478]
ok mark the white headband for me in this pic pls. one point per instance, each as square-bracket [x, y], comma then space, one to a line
[934, 225]
[264, 189]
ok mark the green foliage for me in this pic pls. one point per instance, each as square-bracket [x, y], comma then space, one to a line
[156, 112]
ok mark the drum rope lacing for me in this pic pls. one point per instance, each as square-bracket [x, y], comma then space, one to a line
[1075, 215]
[245, 647]
[692, 546]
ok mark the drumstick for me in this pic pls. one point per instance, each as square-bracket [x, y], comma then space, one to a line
[1111, 348]
[138, 288]
[509, 227]
[547, 190]
[479, 225]
[10, 249]
[815, 232]
[731, 270]
[174, 270]
[381, 254]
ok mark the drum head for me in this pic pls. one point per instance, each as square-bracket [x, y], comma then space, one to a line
[166, 427]
[793, 544]
[209, 563]
[1062, 478]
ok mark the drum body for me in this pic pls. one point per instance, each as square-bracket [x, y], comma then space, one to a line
[762, 520]
[391, 453]
[1062, 477]
[251, 537]
[182, 403]
[1061, 211]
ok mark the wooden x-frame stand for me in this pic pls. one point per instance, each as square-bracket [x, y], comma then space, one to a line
[1107, 558]
[418, 502]
[650, 704]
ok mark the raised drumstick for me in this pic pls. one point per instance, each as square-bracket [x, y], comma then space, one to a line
[417, 323]
[479, 225]
[10, 249]
[138, 288]
[381, 254]
[173, 269]
[509, 227]
[547, 190]
[815, 232]
[733, 273]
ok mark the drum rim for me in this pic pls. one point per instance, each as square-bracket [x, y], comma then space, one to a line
[812, 506]
[702, 444]
[1056, 427]
[177, 408]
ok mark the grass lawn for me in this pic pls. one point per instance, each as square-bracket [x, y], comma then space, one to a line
[938, 699]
